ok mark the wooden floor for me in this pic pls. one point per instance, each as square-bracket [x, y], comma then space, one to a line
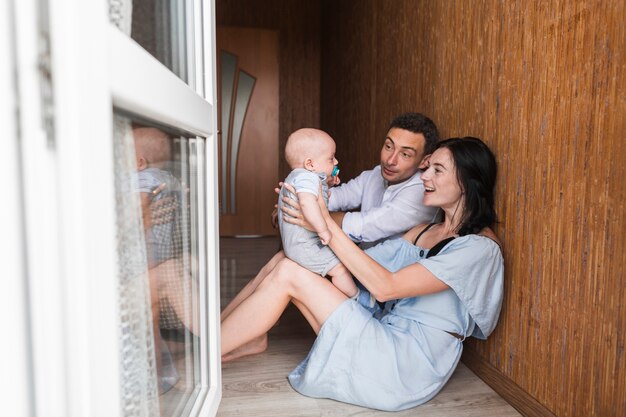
[257, 386]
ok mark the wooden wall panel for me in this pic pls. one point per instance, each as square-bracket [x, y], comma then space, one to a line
[350, 111]
[543, 84]
[298, 23]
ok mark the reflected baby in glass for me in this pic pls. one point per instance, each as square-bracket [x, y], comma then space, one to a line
[153, 153]
[163, 239]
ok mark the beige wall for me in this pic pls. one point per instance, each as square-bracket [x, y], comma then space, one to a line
[542, 82]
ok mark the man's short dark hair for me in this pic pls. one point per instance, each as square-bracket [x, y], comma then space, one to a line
[418, 123]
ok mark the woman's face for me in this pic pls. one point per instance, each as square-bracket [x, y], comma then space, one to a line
[441, 187]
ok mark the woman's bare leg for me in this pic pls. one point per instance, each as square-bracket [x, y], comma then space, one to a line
[251, 286]
[254, 316]
[167, 277]
[258, 344]
[315, 325]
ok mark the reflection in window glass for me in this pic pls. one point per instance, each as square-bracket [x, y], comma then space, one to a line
[158, 194]
[159, 26]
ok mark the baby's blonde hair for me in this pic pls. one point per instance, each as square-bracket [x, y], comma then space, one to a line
[302, 144]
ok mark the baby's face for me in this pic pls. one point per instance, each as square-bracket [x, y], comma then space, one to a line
[325, 160]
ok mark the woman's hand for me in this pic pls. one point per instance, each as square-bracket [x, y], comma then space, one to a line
[292, 212]
[158, 211]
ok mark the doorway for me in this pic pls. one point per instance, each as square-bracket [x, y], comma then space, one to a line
[247, 66]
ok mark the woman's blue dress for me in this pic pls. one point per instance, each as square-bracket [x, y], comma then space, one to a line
[402, 357]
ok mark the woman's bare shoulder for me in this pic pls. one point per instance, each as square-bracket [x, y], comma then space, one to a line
[412, 233]
[487, 232]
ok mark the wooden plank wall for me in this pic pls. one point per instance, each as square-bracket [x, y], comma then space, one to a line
[298, 23]
[543, 83]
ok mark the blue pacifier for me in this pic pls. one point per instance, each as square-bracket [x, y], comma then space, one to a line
[335, 171]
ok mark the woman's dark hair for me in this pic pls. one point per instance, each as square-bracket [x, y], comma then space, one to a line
[418, 123]
[476, 172]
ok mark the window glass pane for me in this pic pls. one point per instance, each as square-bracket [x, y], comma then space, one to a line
[158, 189]
[161, 27]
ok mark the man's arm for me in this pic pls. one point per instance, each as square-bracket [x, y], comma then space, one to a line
[337, 216]
[396, 215]
[348, 196]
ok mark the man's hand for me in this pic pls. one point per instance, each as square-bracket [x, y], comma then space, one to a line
[275, 217]
[275, 211]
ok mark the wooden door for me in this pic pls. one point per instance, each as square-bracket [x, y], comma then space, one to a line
[247, 64]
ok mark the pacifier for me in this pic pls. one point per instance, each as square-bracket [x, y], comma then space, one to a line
[335, 171]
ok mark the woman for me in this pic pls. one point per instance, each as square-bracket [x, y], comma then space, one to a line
[441, 283]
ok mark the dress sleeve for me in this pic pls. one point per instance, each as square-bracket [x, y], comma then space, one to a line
[473, 267]
[385, 253]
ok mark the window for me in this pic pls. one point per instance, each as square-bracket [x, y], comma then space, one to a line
[163, 28]
[161, 175]
[120, 305]
[176, 249]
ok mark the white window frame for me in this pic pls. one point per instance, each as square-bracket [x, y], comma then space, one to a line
[69, 256]
[16, 395]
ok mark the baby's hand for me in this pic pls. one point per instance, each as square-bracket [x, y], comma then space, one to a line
[325, 236]
[333, 181]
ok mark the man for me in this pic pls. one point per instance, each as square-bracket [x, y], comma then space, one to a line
[389, 196]
[389, 199]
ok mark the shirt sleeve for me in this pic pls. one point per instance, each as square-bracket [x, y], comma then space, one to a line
[473, 267]
[146, 182]
[394, 216]
[348, 196]
[306, 182]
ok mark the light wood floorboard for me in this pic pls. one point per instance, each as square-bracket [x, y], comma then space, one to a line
[257, 385]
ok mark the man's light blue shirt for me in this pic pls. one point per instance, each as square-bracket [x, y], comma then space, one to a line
[384, 210]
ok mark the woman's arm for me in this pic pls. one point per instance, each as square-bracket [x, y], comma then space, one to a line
[384, 285]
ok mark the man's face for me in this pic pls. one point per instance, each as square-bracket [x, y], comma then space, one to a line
[401, 155]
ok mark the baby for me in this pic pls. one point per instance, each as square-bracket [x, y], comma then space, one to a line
[310, 154]
[153, 152]
[163, 239]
